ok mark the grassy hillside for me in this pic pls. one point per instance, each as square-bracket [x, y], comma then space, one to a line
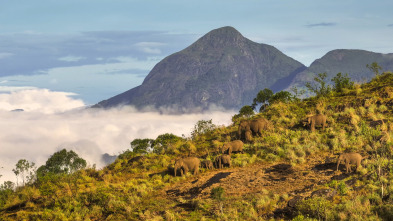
[287, 173]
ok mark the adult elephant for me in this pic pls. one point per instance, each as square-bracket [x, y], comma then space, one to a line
[316, 120]
[257, 126]
[233, 146]
[222, 160]
[348, 159]
[187, 164]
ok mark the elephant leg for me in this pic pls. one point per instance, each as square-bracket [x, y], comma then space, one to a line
[347, 166]
[357, 166]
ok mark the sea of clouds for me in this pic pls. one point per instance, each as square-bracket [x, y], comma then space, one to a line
[51, 121]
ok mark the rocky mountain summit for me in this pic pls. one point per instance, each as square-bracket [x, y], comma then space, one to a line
[225, 69]
[221, 68]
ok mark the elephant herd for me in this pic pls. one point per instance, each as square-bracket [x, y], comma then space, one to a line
[249, 128]
[194, 163]
[246, 130]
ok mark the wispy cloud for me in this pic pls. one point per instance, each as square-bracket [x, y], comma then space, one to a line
[150, 47]
[5, 55]
[71, 58]
[390, 25]
[28, 53]
[322, 24]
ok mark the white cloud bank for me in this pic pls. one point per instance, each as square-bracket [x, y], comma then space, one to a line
[36, 135]
[37, 100]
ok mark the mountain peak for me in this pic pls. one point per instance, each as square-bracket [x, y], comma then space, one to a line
[227, 30]
[221, 68]
[221, 37]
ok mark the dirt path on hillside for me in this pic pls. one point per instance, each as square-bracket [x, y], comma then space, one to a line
[279, 178]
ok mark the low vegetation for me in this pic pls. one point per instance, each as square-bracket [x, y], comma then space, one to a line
[288, 173]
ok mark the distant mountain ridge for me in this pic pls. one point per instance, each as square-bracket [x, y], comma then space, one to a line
[221, 68]
[345, 61]
[225, 69]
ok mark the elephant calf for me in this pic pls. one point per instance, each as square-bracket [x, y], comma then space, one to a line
[248, 136]
[348, 159]
[233, 146]
[223, 160]
[207, 164]
[186, 164]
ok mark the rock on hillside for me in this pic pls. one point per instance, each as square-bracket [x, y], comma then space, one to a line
[221, 68]
[352, 62]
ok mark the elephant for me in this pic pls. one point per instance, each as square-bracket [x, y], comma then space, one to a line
[316, 120]
[233, 146]
[186, 164]
[248, 136]
[349, 158]
[208, 164]
[257, 126]
[222, 160]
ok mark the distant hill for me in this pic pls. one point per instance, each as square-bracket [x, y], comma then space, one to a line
[222, 68]
[352, 62]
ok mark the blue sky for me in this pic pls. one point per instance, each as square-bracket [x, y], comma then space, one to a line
[95, 49]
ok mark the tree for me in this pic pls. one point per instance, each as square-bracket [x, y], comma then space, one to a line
[283, 96]
[202, 127]
[141, 145]
[63, 162]
[246, 111]
[321, 89]
[375, 68]
[342, 82]
[161, 143]
[262, 98]
[25, 170]
[6, 190]
[298, 93]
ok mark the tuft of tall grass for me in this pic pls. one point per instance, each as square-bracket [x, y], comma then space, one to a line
[242, 160]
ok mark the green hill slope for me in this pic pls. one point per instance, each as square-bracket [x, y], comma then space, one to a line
[287, 173]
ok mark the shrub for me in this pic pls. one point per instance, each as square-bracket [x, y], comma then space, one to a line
[320, 89]
[342, 82]
[342, 188]
[317, 207]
